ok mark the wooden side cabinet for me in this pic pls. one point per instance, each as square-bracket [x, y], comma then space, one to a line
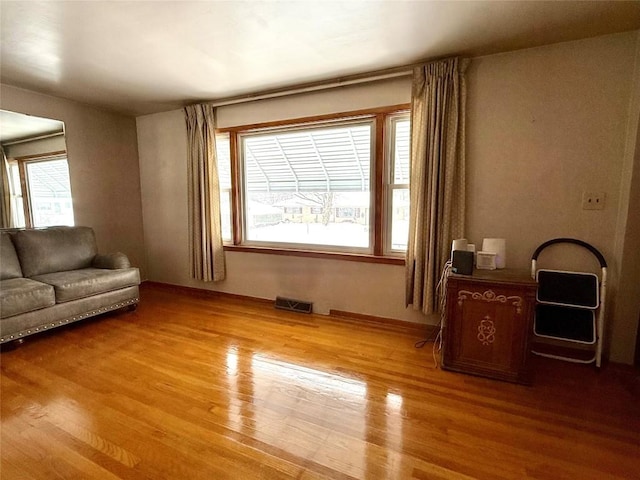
[488, 324]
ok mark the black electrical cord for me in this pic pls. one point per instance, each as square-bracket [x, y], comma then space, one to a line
[431, 338]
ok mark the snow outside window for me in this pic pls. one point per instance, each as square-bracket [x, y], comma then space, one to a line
[309, 186]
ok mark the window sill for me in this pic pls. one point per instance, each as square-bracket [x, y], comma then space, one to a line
[350, 257]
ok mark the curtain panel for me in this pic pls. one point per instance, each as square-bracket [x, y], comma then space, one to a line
[205, 233]
[437, 176]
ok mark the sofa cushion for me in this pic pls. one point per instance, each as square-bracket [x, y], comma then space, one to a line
[85, 282]
[9, 264]
[22, 295]
[55, 249]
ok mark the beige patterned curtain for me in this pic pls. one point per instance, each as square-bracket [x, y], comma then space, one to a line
[437, 179]
[205, 234]
[6, 219]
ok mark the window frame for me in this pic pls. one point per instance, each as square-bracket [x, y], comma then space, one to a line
[378, 252]
[339, 122]
[25, 191]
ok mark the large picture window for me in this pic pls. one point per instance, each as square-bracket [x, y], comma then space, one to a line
[290, 174]
[42, 192]
[330, 185]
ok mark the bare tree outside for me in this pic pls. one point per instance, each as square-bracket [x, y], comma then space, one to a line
[324, 200]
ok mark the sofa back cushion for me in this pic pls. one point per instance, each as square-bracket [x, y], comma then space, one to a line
[9, 263]
[55, 249]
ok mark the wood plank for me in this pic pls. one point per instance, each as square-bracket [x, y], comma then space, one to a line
[210, 386]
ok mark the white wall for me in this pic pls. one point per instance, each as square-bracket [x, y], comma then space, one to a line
[103, 168]
[543, 126]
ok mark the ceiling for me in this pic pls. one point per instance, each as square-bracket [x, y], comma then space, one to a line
[143, 57]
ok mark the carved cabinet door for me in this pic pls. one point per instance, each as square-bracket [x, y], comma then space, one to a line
[487, 328]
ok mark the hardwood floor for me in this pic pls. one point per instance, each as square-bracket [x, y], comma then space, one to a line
[204, 387]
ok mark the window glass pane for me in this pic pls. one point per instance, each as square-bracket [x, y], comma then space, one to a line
[225, 215]
[401, 151]
[50, 193]
[295, 218]
[309, 186]
[17, 207]
[223, 152]
[399, 219]
[397, 215]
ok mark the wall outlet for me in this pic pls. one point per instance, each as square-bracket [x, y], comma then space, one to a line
[593, 200]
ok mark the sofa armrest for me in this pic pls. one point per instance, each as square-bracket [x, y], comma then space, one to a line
[111, 261]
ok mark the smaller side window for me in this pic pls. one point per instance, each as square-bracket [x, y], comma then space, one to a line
[397, 188]
[223, 152]
[17, 199]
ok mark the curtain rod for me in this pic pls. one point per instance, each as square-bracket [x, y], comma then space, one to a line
[317, 86]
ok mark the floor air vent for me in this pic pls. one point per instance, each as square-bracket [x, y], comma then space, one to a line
[293, 305]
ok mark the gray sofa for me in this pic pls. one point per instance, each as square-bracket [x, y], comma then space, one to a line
[54, 276]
